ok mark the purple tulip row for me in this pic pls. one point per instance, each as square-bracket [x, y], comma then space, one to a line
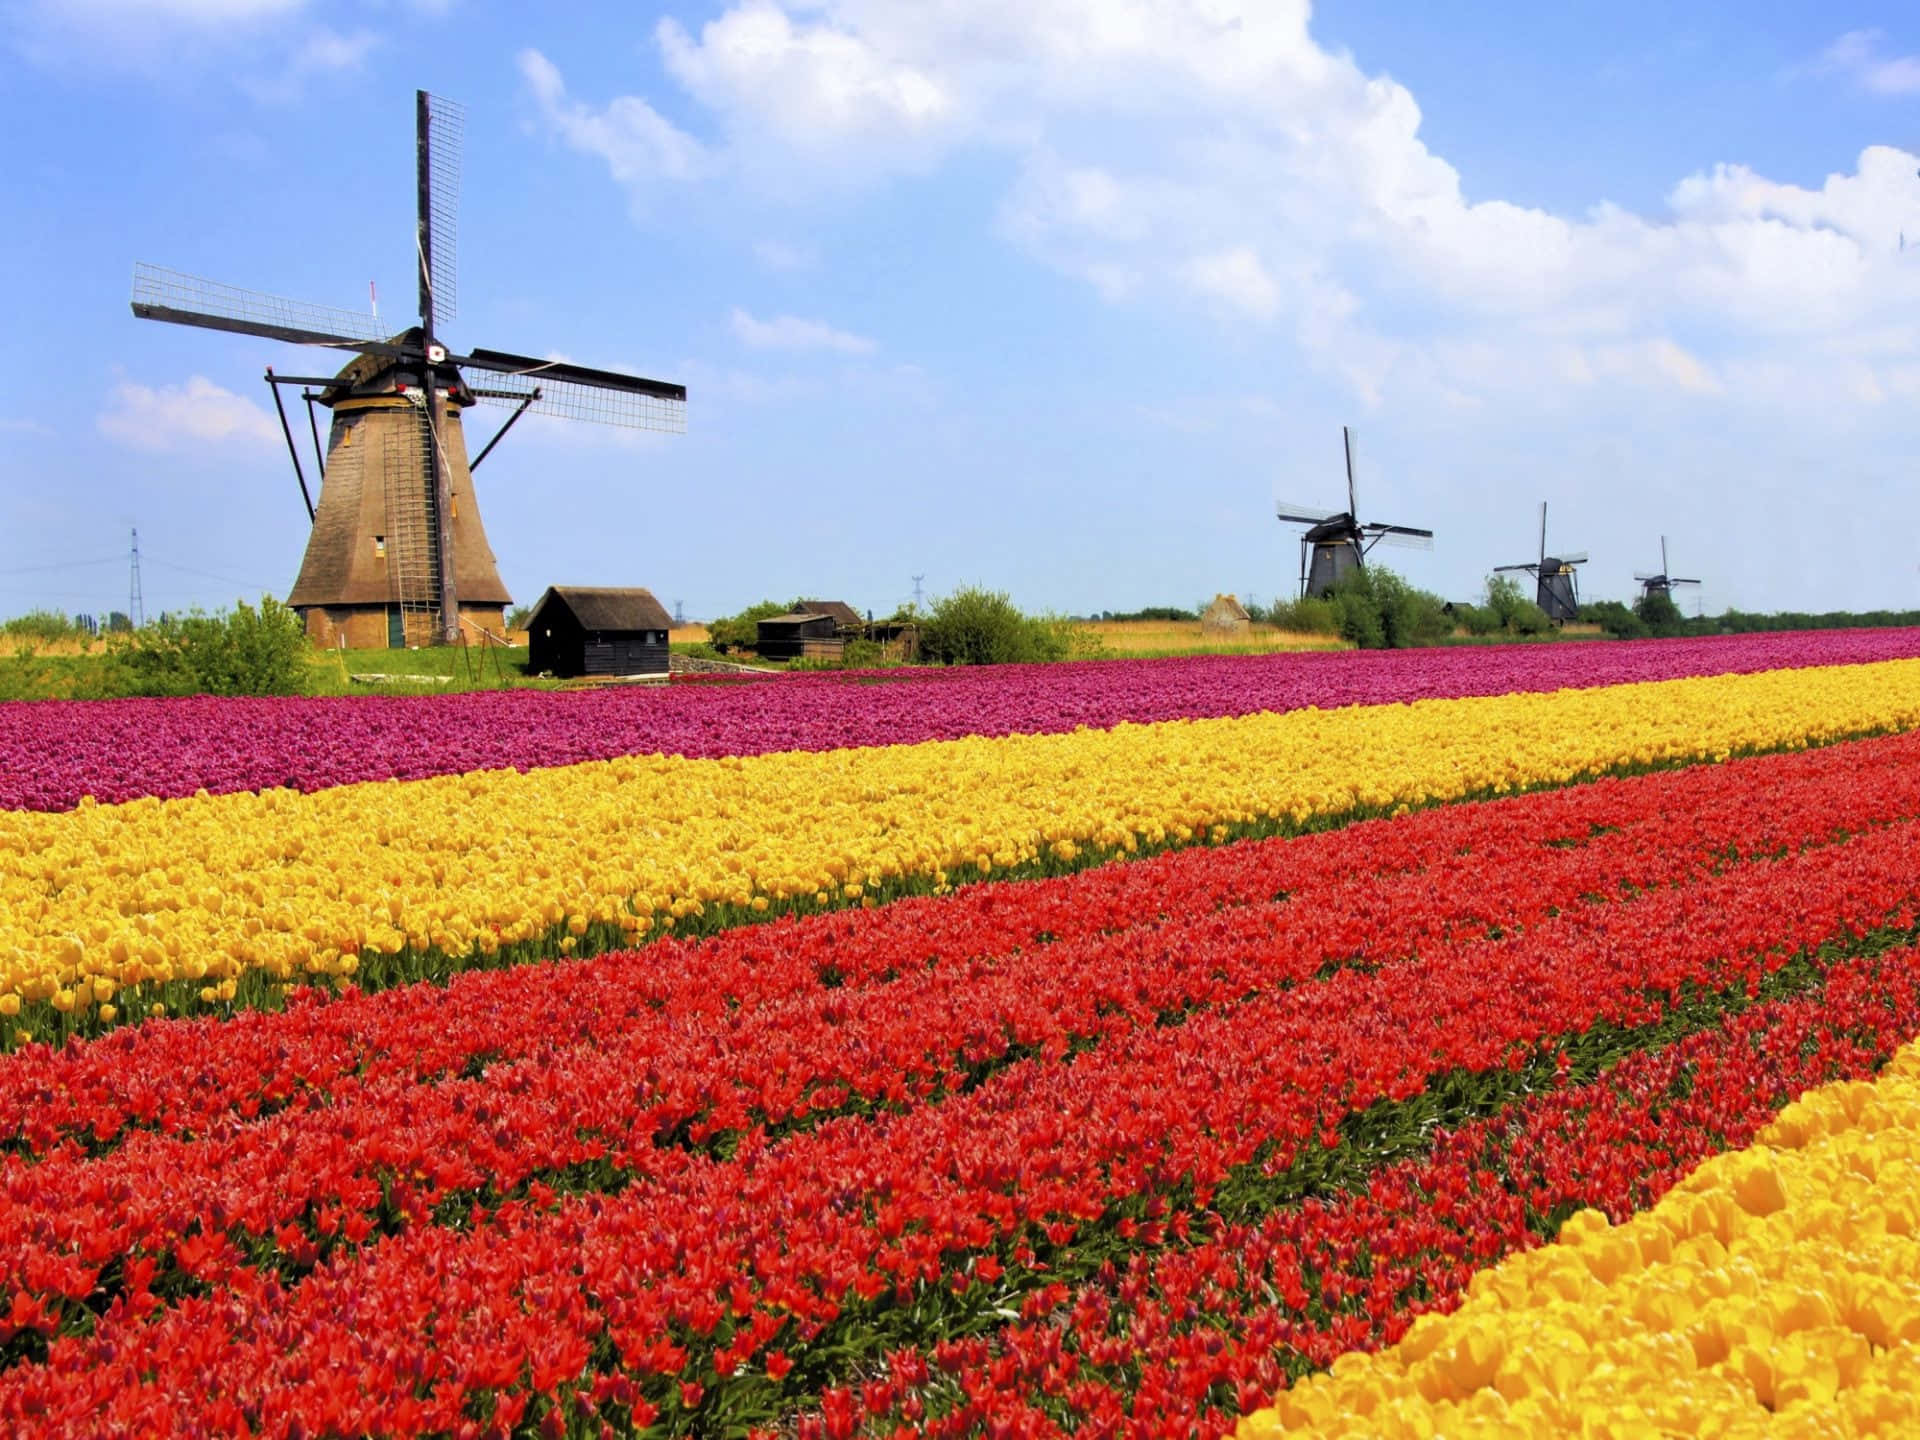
[54, 752]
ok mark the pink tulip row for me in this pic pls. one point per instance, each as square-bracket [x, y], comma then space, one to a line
[52, 753]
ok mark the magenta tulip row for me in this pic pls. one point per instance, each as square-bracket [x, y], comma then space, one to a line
[52, 753]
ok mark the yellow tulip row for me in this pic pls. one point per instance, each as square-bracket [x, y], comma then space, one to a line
[1774, 1292]
[211, 892]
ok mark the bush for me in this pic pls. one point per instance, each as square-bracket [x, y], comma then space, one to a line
[1476, 619]
[1152, 612]
[741, 631]
[973, 626]
[1614, 619]
[46, 625]
[1530, 619]
[1305, 617]
[1376, 609]
[1659, 614]
[243, 651]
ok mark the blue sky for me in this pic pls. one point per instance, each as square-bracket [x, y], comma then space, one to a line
[1055, 296]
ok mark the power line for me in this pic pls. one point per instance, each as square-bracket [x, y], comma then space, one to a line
[206, 574]
[63, 565]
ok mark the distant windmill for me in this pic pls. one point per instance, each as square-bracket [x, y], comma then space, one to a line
[1558, 587]
[396, 553]
[1664, 582]
[1335, 543]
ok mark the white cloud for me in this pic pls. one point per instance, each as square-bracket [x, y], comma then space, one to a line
[777, 255]
[788, 332]
[1214, 152]
[320, 52]
[268, 48]
[198, 414]
[1237, 277]
[1857, 56]
[811, 86]
[635, 140]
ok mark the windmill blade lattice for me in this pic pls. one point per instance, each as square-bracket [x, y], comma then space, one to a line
[163, 294]
[575, 392]
[447, 121]
[1299, 514]
[1399, 538]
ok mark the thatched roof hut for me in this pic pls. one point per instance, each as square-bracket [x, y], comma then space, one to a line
[1225, 616]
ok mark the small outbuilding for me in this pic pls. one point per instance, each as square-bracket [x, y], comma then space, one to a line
[799, 634]
[846, 619]
[598, 630]
[1225, 616]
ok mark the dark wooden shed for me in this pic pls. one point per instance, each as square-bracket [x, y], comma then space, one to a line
[799, 633]
[845, 617]
[598, 630]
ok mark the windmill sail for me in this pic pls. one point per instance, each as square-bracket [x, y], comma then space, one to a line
[576, 392]
[173, 295]
[442, 126]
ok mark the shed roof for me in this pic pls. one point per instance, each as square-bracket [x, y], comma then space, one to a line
[794, 617]
[842, 613]
[1226, 607]
[608, 607]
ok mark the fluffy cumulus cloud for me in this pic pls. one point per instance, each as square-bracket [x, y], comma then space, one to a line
[1861, 56]
[198, 415]
[788, 332]
[271, 49]
[1213, 151]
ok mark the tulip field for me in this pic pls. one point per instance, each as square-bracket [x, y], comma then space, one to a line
[1507, 1041]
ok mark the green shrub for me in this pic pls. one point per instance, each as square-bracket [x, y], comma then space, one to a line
[1530, 619]
[1659, 614]
[242, 651]
[1376, 609]
[1476, 619]
[1615, 619]
[45, 625]
[1308, 617]
[973, 626]
[863, 654]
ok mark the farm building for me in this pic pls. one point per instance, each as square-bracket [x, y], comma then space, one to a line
[596, 630]
[800, 633]
[1225, 616]
[845, 617]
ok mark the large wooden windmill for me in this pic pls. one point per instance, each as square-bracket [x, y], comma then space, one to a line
[1335, 542]
[1664, 582]
[1558, 587]
[397, 554]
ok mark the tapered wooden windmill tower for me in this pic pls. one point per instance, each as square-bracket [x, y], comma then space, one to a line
[396, 554]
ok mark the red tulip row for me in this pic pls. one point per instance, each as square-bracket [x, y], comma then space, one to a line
[712, 1292]
[1183, 1340]
[389, 1153]
[1501, 863]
